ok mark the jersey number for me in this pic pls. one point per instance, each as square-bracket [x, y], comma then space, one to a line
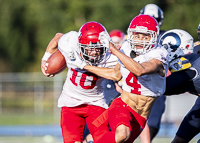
[132, 81]
[83, 78]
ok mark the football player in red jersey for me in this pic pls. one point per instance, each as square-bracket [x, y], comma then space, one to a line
[143, 70]
[82, 98]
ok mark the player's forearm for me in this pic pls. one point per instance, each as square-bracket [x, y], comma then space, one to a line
[133, 66]
[53, 44]
[107, 73]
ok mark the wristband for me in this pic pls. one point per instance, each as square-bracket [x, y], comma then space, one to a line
[46, 56]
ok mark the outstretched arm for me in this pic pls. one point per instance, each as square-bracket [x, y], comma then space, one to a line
[108, 73]
[136, 68]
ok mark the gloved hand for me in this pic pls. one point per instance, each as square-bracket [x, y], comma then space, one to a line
[167, 46]
[77, 61]
[105, 39]
[179, 64]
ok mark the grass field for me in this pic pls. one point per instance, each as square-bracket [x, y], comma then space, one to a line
[49, 139]
[45, 119]
[25, 119]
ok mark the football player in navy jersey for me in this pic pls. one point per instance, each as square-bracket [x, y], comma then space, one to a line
[185, 43]
[185, 77]
[189, 82]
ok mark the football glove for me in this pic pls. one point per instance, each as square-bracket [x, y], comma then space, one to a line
[105, 39]
[179, 64]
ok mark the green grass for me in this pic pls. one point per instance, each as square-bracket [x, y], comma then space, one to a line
[164, 140]
[34, 119]
[51, 139]
[25, 139]
[24, 119]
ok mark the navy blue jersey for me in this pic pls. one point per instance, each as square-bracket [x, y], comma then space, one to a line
[190, 126]
[197, 47]
[187, 80]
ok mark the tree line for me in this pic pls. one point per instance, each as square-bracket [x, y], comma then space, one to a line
[26, 26]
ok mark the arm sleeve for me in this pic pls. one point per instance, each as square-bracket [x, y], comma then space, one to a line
[68, 43]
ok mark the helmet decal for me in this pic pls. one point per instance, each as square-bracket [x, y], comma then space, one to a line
[175, 37]
[177, 42]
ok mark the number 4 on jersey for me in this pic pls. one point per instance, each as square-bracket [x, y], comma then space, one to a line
[132, 81]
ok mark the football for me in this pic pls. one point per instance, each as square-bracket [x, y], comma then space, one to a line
[56, 63]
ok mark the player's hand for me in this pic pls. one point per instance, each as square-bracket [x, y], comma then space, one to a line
[44, 64]
[167, 46]
[44, 68]
[105, 39]
[179, 64]
[77, 61]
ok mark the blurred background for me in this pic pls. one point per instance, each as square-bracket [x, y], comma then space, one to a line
[28, 100]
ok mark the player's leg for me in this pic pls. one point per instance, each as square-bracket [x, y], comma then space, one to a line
[87, 137]
[145, 135]
[155, 116]
[119, 132]
[93, 113]
[178, 139]
[124, 126]
[72, 125]
[190, 126]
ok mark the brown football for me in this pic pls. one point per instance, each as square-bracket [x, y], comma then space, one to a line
[56, 63]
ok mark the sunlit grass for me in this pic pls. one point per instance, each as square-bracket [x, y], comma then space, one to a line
[24, 119]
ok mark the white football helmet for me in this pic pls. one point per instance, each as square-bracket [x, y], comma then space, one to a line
[155, 11]
[177, 42]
